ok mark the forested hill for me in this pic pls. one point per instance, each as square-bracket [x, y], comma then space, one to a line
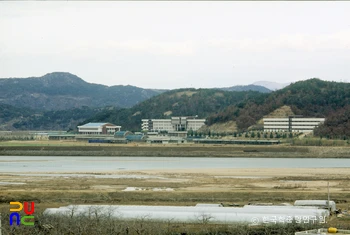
[59, 91]
[13, 118]
[182, 102]
[8, 113]
[337, 124]
[310, 98]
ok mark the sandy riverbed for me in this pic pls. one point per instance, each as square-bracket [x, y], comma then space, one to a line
[189, 186]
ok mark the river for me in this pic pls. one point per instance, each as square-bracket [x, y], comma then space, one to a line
[19, 164]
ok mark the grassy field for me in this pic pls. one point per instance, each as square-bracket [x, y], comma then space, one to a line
[73, 148]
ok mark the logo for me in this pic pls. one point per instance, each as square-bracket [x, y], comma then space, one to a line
[28, 219]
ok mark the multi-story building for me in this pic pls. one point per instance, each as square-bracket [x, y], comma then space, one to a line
[174, 124]
[97, 128]
[292, 124]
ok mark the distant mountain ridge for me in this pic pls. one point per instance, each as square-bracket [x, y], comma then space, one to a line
[60, 90]
[250, 87]
[273, 86]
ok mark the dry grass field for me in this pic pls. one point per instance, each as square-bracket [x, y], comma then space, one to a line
[181, 186]
[232, 187]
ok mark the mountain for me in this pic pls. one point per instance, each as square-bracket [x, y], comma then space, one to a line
[61, 101]
[310, 98]
[271, 85]
[250, 87]
[181, 102]
[59, 91]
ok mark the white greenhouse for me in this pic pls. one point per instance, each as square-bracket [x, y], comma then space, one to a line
[323, 204]
[193, 214]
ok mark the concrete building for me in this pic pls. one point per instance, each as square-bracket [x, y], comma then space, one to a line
[98, 128]
[292, 124]
[174, 124]
[156, 125]
[165, 140]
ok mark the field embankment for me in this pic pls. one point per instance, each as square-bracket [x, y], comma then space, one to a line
[56, 148]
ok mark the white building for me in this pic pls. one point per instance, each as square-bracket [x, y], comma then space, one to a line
[173, 124]
[98, 128]
[292, 124]
[195, 124]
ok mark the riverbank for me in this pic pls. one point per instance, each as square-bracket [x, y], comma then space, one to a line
[63, 148]
[179, 186]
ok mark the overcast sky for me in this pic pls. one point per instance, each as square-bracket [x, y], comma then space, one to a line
[176, 44]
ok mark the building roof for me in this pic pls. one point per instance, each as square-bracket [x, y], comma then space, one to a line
[122, 133]
[95, 124]
[134, 137]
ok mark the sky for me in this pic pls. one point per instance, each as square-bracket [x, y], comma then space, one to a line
[179, 44]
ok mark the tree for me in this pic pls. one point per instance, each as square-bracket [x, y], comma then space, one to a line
[190, 133]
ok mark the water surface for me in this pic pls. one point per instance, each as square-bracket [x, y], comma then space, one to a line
[16, 164]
